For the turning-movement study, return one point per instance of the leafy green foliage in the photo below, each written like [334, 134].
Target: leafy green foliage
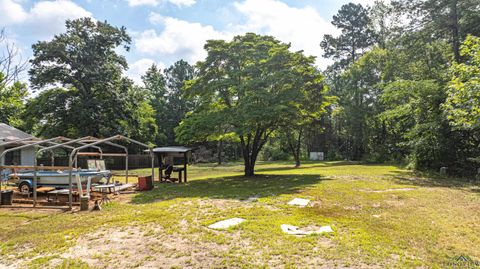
[392, 99]
[450, 20]
[248, 88]
[413, 112]
[177, 105]
[154, 82]
[359, 90]
[354, 22]
[49, 107]
[12, 98]
[166, 96]
[96, 99]
[463, 102]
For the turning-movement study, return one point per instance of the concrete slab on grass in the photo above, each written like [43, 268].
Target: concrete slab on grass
[294, 230]
[224, 224]
[299, 202]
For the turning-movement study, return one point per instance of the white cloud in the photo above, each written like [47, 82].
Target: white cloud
[12, 12]
[155, 18]
[48, 17]
[44, 19]
[138, 69]
[302, 27]
[179, 3]
[369, 2]
[143, 2]
[178, 40]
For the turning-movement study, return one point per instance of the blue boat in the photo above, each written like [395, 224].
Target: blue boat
[58, 179]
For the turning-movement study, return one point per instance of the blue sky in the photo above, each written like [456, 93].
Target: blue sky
[164, 31]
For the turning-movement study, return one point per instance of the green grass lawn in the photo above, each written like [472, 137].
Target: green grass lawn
[382, 216]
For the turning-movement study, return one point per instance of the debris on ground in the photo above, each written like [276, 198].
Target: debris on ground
[224, 224]
[299, 202]
[294, 230]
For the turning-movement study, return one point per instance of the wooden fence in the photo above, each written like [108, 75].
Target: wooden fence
[135, 161]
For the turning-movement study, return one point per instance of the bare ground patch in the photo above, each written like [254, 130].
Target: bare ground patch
[143, 247]
[150, 247]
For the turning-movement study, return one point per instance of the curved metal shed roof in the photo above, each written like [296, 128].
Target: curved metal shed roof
[173, 149]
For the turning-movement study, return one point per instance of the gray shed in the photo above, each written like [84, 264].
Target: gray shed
[19, 157]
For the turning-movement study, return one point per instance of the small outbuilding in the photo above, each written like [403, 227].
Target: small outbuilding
[175, 156]
[19, 157]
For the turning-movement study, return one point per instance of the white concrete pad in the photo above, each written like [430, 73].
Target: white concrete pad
[299, 202]
[294, 230]
[290, 229]
[325, 229]
[224, 224]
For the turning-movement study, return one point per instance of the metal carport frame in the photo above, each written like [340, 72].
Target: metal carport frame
[38, 143]
[106, 141]
[34, 143]
[85, 142]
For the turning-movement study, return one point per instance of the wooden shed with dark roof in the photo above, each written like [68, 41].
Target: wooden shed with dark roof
[183, 153]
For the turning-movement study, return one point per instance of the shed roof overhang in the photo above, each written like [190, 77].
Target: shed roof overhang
[173, 149]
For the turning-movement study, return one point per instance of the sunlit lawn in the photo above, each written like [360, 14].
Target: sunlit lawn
[382, 216]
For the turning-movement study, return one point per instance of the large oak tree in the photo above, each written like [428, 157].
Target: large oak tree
[248, 87]
[95, 98]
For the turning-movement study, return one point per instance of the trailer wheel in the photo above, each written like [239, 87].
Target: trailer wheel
[24, 188]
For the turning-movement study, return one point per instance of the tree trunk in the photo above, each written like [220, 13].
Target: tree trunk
[455, 31]
[251, 146]
[219, 152]
[297, 161]
[294, 143]
[250, 159]
[249, 169]
[299, 145]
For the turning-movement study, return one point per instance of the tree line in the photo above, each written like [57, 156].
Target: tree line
[403, 87]
[407, 88]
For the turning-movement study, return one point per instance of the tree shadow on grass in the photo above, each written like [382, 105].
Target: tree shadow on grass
[316, 165]
[234, 187]
[426, 179]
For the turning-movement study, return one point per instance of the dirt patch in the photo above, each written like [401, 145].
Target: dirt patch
[145, 247]
[4, 266]
[30, 209]
[123, 198]
[150, 246]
